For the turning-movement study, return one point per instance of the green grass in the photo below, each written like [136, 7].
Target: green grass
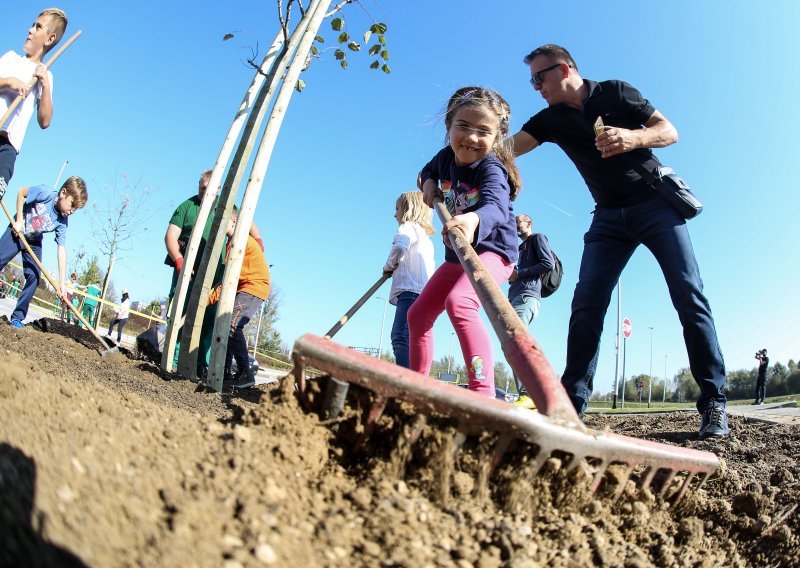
[636, 406]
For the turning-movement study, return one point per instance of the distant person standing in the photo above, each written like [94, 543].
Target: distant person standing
[410, 263]
[90, 302]
[14, 287]
[525, 291]
[761, 381]
[120, 316]
[66, 313]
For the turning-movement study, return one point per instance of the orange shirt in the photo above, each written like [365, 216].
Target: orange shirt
[254, 277]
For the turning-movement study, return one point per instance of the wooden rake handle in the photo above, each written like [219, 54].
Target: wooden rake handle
[50, 279]
[33, 81]
[361, 301]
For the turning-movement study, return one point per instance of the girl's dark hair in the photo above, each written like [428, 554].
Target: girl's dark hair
[479, 97]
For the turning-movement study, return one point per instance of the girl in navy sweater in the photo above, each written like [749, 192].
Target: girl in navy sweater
[477, 179]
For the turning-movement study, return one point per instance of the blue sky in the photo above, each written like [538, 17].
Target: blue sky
[151, 92]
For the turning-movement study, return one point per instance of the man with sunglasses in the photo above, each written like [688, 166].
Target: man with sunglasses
[608, 154]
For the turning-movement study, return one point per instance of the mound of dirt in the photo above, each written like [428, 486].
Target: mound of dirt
[106, 462]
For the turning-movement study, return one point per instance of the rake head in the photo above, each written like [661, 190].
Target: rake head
[671, 468]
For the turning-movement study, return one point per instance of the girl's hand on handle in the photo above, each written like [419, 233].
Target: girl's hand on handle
[467, 222]
[430, 191]
[17, 227]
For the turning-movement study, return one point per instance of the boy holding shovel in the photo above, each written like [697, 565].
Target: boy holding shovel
[40, 210]
[16, 72]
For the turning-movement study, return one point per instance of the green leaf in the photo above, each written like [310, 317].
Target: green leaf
[374, 50]
[385, 69]
[339, 54]
[344, 64]
[337, 24]
[319, 39]
[367, 35]
[314, 50]
[344, 37]
[300, 85]
[226, 37]
[378, 28]
[353, 46]
[382, 40]
[385, 55]
[374, 65]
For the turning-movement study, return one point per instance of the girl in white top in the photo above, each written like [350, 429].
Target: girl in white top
[120, 318]
[411, 264]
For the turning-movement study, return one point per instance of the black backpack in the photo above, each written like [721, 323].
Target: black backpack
[551, 279]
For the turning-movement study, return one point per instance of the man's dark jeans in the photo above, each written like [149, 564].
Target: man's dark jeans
[608, 245]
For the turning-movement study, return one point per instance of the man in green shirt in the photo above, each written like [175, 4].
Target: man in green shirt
[176, 239]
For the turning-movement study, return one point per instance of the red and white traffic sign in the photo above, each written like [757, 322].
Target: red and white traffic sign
[627, 328]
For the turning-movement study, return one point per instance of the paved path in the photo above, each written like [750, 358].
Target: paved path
[773, 412]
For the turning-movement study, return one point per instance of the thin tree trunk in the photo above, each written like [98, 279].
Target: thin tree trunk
[255, 182]
[182, 285]
[106, 280]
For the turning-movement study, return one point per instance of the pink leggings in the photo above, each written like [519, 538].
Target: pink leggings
[450, 289]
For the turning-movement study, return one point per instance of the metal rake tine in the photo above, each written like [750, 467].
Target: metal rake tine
[684, 487]
[458, 441]
[618, 493]
[500, 448]
[598, 476]
[647, 478]
[374, 414]
[703, 479]
[539, 460]
[376, 410]
[417, 426]
[666, 483]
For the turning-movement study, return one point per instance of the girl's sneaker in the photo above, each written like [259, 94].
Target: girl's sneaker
[17, 324]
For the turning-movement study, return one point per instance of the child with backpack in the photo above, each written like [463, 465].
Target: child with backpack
[476, 177]
[411, 264]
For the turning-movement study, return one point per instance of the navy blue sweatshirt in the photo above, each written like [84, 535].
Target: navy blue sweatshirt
[535, 258]
[483, 188]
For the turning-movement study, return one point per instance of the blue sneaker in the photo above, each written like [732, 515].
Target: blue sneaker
[16, 323]
[714, 422]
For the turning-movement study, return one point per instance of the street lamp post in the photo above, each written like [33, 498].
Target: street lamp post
[650, 389]
[258, 328]
[450, 359]
[383, 322]
[260, 315]
[64, 165]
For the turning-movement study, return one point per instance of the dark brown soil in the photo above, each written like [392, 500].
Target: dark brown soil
[105, 462]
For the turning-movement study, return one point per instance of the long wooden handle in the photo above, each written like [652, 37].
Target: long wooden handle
[33, 81]
[332, 331]
[50, 279]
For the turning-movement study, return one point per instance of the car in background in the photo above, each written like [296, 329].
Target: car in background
[253, 365]
[499, 394]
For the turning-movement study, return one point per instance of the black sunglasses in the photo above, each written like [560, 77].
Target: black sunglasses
[537, 79]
